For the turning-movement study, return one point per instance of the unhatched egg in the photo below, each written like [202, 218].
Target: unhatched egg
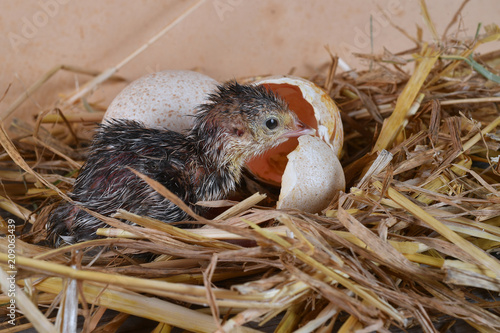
[163, 99]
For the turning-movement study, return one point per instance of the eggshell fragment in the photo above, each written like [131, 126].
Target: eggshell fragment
[163, 99]
[312, 176]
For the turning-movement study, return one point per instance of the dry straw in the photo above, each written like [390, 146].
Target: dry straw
[414, 241]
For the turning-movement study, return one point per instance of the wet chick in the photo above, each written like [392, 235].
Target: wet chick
[238, 123]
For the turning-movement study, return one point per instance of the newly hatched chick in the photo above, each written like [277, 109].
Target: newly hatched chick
[238, 123]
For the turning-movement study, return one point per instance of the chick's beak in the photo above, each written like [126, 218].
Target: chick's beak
[299, 129]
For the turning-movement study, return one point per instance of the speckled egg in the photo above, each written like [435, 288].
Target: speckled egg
[163, 99]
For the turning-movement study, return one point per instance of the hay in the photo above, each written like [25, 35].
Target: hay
[413, 243]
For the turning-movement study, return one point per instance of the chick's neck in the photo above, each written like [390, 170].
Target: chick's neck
[219, 161]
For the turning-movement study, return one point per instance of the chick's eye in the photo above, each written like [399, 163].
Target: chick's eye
[272, 123]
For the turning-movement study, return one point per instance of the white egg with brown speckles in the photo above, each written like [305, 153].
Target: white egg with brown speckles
[165, 99]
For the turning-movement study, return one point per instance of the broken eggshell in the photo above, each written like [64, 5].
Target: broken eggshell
[163, 99]
[307, 169]
[312, 177]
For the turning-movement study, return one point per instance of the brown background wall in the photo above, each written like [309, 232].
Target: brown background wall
[221, 38]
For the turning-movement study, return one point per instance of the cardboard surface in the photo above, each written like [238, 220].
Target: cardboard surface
[222, 38]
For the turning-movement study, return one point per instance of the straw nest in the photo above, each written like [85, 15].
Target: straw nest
[413, 243]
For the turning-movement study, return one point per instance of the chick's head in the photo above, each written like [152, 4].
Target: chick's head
[250, 120]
